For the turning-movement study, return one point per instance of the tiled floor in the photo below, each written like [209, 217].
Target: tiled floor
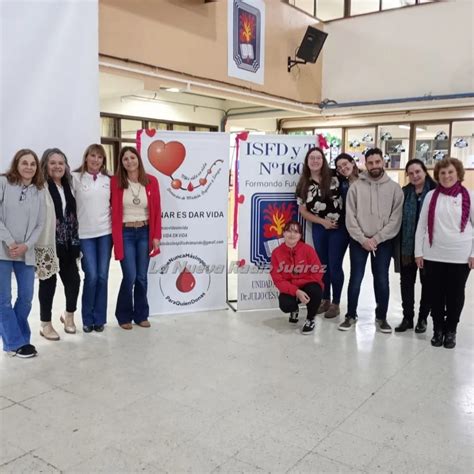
[240, 392]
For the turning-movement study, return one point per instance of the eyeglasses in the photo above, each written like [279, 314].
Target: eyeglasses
[23, 193]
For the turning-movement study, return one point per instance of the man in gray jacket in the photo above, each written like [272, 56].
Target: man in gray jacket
[374, 208]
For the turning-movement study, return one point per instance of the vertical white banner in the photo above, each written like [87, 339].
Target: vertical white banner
[49, 77]
[269, 169]
[246, 40]
[192, 169]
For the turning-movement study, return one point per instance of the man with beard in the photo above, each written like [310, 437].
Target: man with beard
[374, 208]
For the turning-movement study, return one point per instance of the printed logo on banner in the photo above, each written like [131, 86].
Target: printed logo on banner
[269, 214]
[168, 158]
[246, 36]
[186, 278]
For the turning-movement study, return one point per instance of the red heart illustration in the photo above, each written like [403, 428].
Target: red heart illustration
[150, 132]
[241, 199]
[166, 157]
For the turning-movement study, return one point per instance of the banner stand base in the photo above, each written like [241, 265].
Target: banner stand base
[232, 305]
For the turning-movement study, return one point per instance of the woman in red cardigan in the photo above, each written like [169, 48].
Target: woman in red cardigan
[296, 272]
[136, 234]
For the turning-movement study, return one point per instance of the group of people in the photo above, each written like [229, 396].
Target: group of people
[50, 216]
[426, 227]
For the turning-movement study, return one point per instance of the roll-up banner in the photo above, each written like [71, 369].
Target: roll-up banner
[269, 167]
[193, 173]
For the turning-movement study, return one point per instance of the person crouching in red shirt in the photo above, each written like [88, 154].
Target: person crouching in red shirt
[296, 272]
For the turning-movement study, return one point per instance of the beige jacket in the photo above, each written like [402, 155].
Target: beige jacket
[47, 263]
[374, 209]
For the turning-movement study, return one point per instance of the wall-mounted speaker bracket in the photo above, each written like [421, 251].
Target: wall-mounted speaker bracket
[294, 62]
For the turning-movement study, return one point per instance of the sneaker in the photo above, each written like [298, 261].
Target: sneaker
[293, 317]
[421, 326]
[332, 312]
[323, 307]
[26, 351]
[347, 324]
[87, 329]
[308, 327]
[383, 326]
[404, 325]
[99, 327]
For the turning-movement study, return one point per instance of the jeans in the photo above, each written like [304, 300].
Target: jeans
[289, 303]
[407, 286]
[380, 265]
[445, 285]
[69, 274]
[132, 302]
[14, 327]
[95, 265]
[331, 245]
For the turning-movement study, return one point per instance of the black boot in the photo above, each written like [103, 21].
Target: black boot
[404, 325]
[421, 326]
[450, 340]
[437, 339]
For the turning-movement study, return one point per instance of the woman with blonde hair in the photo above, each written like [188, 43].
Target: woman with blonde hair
[21, 222]
[91, 184]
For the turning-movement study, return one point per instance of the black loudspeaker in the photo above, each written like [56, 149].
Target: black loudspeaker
[311, 45]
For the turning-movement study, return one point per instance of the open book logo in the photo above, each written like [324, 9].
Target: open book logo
[246, 36]
[269, 214]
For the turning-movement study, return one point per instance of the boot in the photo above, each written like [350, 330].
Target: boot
[450, 340]
[323, 307]
[437, 339]
[68, 321]
[48, 332]
[421, 326]
[333, 311]
[404, 325]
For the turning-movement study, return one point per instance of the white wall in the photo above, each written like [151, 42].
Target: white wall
[49, 94]
[403, 53]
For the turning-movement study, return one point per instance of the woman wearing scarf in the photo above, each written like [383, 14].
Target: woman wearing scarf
[414, 192]
[56, 171]
[444, 248]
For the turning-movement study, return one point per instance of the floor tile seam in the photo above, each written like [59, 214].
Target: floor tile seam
[25, 453]
[318, 454]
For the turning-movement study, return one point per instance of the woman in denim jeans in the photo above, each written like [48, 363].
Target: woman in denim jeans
[136, 233]
[21, 222]
[92, 187]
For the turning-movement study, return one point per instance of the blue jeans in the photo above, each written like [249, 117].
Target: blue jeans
[14, 327]
[132, 302]
[95, 264]
[380, 267]
[331, 245]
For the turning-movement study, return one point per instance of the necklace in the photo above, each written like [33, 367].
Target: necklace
[136, 200]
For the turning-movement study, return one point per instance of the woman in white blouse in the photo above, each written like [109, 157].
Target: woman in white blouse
[91, 184]
[444, 247]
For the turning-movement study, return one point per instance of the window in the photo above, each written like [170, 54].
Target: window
[431, 142]
[394, 141]
[326, 10]
[358, 141]
[462, 142]
[358, 7]
[128, 128]
[333, 138]
[158, 125]
[329, 9]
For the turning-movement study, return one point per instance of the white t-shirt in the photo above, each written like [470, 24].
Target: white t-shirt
[450, 245]
[93, 204]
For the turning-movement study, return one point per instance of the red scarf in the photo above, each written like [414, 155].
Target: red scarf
[453, 191]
